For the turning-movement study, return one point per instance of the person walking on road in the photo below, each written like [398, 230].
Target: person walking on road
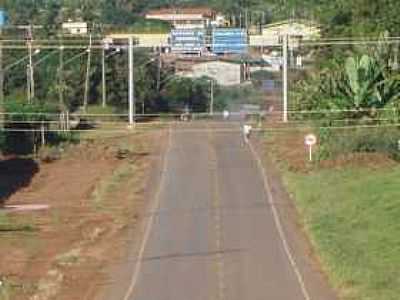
[246, 130]
[226, 115]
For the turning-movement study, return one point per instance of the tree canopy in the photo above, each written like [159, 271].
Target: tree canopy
[339, 17]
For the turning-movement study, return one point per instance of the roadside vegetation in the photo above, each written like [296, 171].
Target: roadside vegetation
[349, 206]
[352, 217]
[26, 127]
[348, 197]
[8, 224]
[352, 99]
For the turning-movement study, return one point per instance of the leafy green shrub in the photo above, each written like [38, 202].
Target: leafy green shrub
[97, 113]
[186, 92]
[334, 143]
[233, 97]
[356, 88]
[22, 123]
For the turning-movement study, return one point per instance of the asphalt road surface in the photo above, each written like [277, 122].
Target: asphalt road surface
[214, 235]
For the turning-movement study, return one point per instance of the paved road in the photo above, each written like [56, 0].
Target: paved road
[214, 236]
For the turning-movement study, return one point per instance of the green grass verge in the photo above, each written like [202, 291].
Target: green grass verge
[353, 219]
[8, 224]
[127, 170]
[110, 184]
[5, 290]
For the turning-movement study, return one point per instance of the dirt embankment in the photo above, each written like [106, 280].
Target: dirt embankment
[94, 194]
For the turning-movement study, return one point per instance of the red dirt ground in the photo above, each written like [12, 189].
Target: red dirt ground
[76, 239]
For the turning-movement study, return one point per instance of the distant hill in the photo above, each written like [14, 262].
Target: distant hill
[340, 17]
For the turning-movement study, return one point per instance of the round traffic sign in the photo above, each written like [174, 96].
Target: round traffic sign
[310, 140]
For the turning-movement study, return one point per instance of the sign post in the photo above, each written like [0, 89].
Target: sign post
[310, 140]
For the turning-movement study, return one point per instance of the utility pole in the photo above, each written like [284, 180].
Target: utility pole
[1, 70]
[159, 70]
[247, 18]
[31, 90]
[132, 108]
[61, 77]
[86, 96]
[103, 77]
[212, 97]
[28, 84]
[285, 78]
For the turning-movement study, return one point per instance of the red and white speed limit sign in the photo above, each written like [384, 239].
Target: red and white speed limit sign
[310, 140]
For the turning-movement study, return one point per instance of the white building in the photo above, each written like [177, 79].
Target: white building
[297, 30]
[144, 40]
[184, 18]
[220, 21]
[226, 74]
[75, 28]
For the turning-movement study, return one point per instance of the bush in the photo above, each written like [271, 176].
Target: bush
[2, 141]
[49, 154]
[22, 124]
[383, 140]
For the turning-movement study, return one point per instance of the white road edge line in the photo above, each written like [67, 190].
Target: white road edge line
[150, 223]
[279, 226]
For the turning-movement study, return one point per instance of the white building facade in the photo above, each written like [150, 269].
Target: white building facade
[184, 18]
[75, 28]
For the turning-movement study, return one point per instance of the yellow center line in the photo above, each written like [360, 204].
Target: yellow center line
[216, 205]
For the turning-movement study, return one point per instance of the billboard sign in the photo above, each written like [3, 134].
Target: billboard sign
[229, 41]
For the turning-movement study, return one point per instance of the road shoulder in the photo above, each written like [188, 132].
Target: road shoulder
[307, 262]
[119, 280]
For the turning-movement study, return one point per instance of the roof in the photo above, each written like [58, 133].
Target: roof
[74, 25]
[205, 11]
[293, 27]
[293, 22]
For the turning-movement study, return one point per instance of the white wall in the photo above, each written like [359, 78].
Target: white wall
[226, 74]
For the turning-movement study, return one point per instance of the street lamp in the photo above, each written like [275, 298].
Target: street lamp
[14, 64]
[44, 58]
[147, 62]
[65, 63]
[117, 50]
[30, 84]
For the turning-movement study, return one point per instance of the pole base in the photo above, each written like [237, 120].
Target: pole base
[131, 127]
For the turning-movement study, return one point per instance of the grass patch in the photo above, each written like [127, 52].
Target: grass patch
[352, 216]
[351, 212]
[8, 224]
[69, 258]
[6, 290]
[110, 184]
[383, 140]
